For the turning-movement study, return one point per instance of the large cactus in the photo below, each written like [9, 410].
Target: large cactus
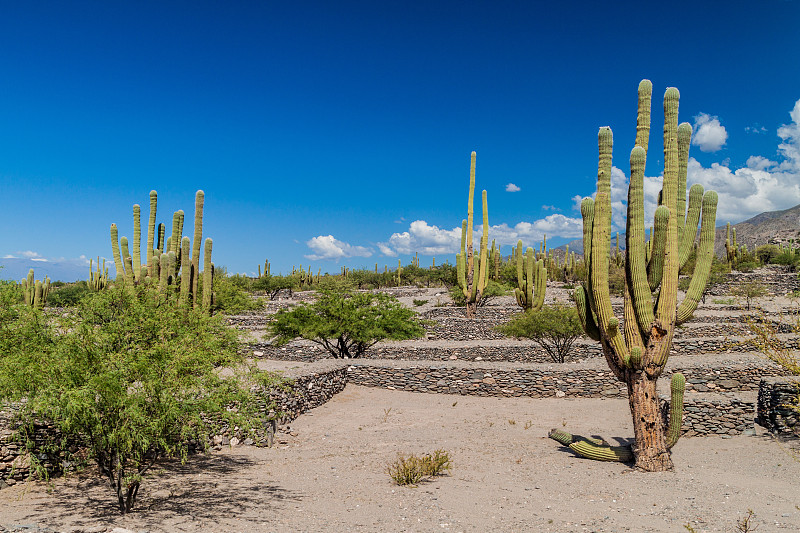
[35, 291]
[166, 260]
[637, 352]
[531, 279]
[473, 273]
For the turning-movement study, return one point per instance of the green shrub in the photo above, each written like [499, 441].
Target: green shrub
[410, 470]
[68, 295]
[129, 374]
[554, 328]
[418, 303]
[346, 323]
[230, 297]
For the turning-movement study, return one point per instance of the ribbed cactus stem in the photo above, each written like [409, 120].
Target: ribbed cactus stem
[208, 276]
[126, 258]
[677, 387]
[136, 254]
[116, 253]
[186, 271]
[199, 200]
[151, 231]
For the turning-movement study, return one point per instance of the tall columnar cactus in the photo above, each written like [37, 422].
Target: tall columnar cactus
[473, 273]
[98, 279]
[166, 260]
[35, 291]
[638, 352]
[531, 279]
[208, 277]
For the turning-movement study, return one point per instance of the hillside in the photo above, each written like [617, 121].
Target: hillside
[772, 226]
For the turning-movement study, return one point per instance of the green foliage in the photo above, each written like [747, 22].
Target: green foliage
[748, 290]
[68, 295]
[230, 296]
[616, 279]
[273, 285]
[131, 375]
[492, 290]
[767, 253]
[410, 470]
[346, 323]
[418, 303]
[554, 328]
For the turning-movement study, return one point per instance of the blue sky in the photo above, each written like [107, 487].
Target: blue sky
[339, 133]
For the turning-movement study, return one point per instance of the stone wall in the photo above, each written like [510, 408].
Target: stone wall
[777, 405]
[543, 381]
[706, 415]
[293, 399]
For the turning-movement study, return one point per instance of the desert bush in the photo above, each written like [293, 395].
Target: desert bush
[230, 294]
[418, 303]
[273, 285]
[766, 253]
[412, 469]
[132, 376]
[68, 295]
[346, 323]
[554, 328]
[748, 290]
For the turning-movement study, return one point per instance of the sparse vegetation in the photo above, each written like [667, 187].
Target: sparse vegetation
[345, 322]
[555, 328]
[411, 469]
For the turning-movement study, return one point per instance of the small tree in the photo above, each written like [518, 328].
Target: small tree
[554, 328]
[346, 323]
[132, 376]
[749, 290]
[273, 285]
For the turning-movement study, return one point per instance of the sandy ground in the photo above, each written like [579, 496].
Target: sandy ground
[327, 473]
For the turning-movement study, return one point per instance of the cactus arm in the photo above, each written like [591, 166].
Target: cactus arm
[585, 314]
[668, 295]
[208, 276]
[199, 199]
[520, 267]
[643, 115]
[692, 218]
[540, 282]
[684, 139]
[677, 387]
[705, 256]
[658, 243]
[635, 264]
[592, 448]
[186, 270]
[115, 251]
[163, 277]
[137, 242]
[151, 231]
[483, 274]
[126, 259]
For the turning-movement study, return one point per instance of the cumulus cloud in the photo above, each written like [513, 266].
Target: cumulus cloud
[423, 238]
[708, 134]
[431, 240]
[762, 185]
[328, 247]
[512, 188]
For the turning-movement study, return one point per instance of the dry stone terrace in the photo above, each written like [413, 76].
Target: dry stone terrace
[728, 385]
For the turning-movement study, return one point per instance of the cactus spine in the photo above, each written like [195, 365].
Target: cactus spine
[473, 273]
[638, 352]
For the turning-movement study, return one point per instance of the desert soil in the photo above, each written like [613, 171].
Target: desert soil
[327, 472]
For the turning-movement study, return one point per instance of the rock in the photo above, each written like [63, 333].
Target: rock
[234, 441]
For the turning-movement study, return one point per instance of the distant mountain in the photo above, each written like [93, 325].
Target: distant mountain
[777, 226]
[68, 270]
[772, 226]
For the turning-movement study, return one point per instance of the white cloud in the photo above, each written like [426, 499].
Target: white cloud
[512, 188]
[550, 208]
[328, 247]
[708, 134]
[755, 128]
[423, 238]
[763, 185]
